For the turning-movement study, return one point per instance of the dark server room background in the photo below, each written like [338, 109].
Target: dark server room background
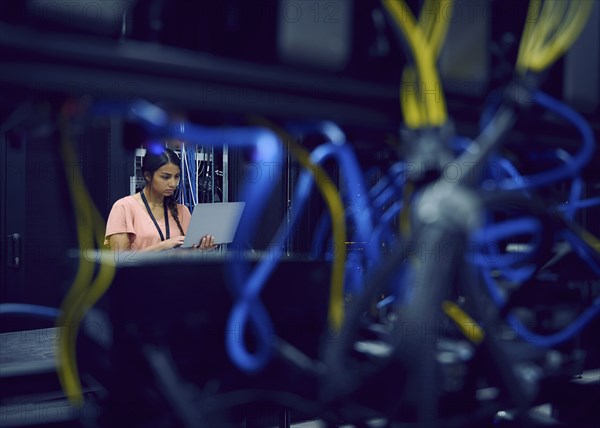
[420, 243]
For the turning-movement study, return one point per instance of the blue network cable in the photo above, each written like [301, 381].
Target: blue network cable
[267, 157]
[387, 195]
[544, 341]
[320, 235]
[508, 271]
[459, 144]
[397, 174]
[395, 178]
[361, 210]
[30, 310]
[261, 273]
[511, 272]
[492, 103]
[193, 160]
[188, 173]
[151, 117]
[383, 231]
[182, 183]
[247, 307]
[381, 185]
[328, 129]
[572, 165]
[568, 169]
[511, 228]
[359, 204]
[256, 280]
[574, 197]
[504, 231]
[358, 197]
[382, 192]
[507, 168]
[582, 250]
[490, 235]
[580, 204]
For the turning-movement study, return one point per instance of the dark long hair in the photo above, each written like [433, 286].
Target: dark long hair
[152, 161]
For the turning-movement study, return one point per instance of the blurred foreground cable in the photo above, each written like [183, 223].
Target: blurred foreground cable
[85, 291]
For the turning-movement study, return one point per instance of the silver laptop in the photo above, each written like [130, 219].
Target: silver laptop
[219, 219]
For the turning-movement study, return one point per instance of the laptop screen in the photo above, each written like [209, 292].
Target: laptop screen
[220, 220]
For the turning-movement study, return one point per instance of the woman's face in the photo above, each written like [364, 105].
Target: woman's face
[165, 180]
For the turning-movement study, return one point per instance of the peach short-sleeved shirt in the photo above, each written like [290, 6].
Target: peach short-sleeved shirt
[129, 216]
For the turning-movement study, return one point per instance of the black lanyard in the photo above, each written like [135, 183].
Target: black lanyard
[162, 238]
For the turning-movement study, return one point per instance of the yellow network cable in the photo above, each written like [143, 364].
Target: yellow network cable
[425, 42]
[415, 114]
[548, 22]
[464, 322]
[437, 34]
[549, 32]
[413, 111]
[565, 36]
[527, 39]
[539, 17]
[336, 210]
[417, 43]
[425, 21]
[592, 241]
[84, 292]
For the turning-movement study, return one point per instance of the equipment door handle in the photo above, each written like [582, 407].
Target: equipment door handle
[14, 250]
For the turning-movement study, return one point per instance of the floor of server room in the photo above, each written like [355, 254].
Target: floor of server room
[27, 363]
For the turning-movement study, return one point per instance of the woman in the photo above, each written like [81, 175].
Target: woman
[137, 222]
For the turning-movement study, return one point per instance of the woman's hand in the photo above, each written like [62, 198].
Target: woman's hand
[176, 241]
[206, 243]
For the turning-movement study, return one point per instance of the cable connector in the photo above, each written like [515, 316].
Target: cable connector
[454, 206]
[427, 152]
[518, 94]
